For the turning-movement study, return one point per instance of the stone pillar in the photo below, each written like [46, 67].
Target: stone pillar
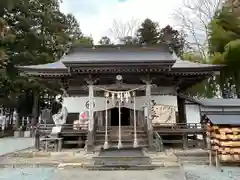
[149, 112]
[90, 138]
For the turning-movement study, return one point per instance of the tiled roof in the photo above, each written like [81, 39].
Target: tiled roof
[113, 55]
[117, 56]
[184, 64]
[224, 119]
[56, 65]
[220, 102]
[187, 64]
[59, 64]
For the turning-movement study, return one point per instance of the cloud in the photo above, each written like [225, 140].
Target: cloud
[96, 16]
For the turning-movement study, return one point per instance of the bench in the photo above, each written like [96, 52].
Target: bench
[57, 143]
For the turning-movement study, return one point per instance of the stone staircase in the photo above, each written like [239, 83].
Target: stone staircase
[121, 159]
[127, 136]
[132, 159]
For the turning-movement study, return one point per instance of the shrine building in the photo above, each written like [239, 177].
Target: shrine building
[128, 94]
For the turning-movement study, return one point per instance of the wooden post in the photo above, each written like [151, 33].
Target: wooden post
[210, 157]
[46, 145]
[59, 144]
[217, 159]
[35, 109]
[56, 145]
[149, 111]
[204, 140]
[37, 139]
[90, 137]
[185, 141]
[181, 110]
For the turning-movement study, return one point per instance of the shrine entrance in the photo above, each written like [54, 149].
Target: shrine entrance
[125, 116]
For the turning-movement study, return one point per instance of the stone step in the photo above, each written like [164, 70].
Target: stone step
[166, 164]
[122, 167]
[122, 135]
[123, 141]
[126, 145]
[118, 160]
[123, 130]
[163, 159]
[194, 160]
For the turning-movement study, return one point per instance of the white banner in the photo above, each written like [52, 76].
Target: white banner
[163, 114]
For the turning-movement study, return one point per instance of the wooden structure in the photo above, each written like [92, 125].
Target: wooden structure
[224, 136]
[184, 134]
[117, 84]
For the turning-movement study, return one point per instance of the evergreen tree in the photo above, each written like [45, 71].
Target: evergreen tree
[32, 32]
[224, 37]
[128, 40]
[174, 38]
[105, 41]
[148, 33]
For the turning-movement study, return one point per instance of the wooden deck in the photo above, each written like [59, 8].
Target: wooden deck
[175, 129]
[70, 129]
[67, 129]
[171, 133]
[185, 135]
[71, 134]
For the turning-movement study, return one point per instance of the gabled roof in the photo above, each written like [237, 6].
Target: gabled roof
[103, 57]
[118, 54]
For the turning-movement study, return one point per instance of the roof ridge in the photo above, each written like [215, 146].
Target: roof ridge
[119, 47]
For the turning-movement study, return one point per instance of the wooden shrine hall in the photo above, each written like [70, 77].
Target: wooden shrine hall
[125, 95]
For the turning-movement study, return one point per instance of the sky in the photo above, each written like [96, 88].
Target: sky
[96, 16]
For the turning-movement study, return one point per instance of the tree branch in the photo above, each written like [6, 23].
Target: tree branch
[194, 17]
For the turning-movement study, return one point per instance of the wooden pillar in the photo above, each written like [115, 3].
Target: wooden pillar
[204, 135]
[185, 141]
[37, 139]
[210, 157]
[90, 137]
[34, 119]
[181, 110]
[217, 159]
[100, 119]
[149, 111]
[131, 118]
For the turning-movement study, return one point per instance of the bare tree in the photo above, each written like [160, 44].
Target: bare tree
[121, 29]
[194, 17]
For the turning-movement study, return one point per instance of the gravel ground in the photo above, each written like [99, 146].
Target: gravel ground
[192, 172]
[78, 174]
[9, 145]
[211, 173]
